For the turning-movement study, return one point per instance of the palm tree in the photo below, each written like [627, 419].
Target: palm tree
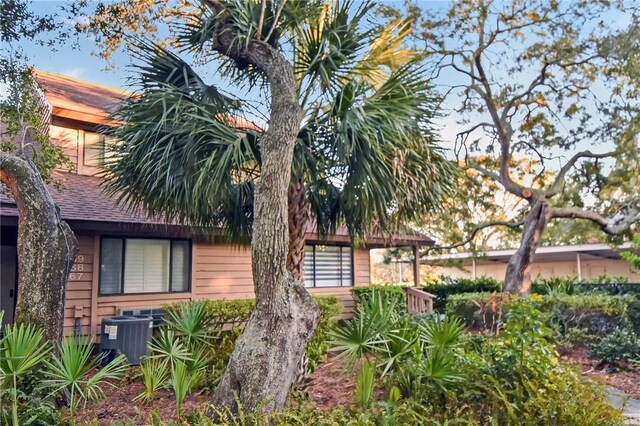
[349, 142]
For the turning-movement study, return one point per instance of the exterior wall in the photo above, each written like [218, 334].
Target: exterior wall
[78, 307]
[217, 272]
[67, 139]
[590, 268]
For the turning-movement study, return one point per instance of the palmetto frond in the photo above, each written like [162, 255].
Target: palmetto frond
[181, 153]
[366, 154]
[376, 159]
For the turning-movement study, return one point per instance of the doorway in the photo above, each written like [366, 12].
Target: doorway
[8, 281]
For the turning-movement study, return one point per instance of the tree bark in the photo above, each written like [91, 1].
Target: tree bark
[264, 362]
[46, 248]
[298, 215]
[518, 276]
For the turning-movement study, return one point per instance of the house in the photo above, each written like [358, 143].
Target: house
[129, 262]
[585, 262]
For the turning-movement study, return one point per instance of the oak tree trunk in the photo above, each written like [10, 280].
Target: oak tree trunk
[518, 276]
[264, 362]
[46, 248]
[298, 215]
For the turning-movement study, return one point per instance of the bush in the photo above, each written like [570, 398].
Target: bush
[594, 313]
[445, 287]
[225, 320]
[220, 314]
[620, 346]
[479, 310]
[395, 294]
[330, 313]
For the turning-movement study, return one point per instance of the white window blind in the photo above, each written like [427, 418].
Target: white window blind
[328, 266]
[146, 266]
[93, 149]
[180, 266]
[111, 266]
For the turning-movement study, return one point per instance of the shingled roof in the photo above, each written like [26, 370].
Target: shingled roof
[79, 99]
[81, 200]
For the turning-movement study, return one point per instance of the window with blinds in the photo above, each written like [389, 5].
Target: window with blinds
[143, 265]
[328, 266]
[94, 149]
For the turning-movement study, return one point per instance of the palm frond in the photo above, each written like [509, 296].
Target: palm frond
[180, 154]
[374, 155]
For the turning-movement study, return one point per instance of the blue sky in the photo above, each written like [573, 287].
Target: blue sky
[82, 63]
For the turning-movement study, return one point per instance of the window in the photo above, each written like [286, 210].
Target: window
[328, 266]
[143, 265]
[94, 149]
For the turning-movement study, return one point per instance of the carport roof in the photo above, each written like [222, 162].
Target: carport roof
[543, 254]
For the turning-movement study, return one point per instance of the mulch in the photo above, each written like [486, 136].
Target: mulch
[119, 406]
[332, 385]
[625, 379]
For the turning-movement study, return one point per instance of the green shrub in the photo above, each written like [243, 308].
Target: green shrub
[222, 322]
[330, 313]
[597, 313]
[516, 377]
[445, 287]
[479, 310]
[394, 293]
[555, 285]
[620, 346]
[218, 313]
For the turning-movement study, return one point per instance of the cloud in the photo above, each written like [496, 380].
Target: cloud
[74, 72]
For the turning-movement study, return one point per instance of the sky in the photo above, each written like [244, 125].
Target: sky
[82, 63]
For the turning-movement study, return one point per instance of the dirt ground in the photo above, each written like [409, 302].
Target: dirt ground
[330, 386]
[118, 406]
[626, 380]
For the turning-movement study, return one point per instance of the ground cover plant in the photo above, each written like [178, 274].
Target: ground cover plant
[513, 376]
[37, 380]
[398, 369]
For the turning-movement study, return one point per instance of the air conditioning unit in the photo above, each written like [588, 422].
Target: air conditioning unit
[126, 334]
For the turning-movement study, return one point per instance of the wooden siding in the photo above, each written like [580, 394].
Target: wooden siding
[217, 272]
[590, 269]
[79, 286]
[68, 140]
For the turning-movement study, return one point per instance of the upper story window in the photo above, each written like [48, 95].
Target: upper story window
[144, 265]
[328, 266]
[94, 149]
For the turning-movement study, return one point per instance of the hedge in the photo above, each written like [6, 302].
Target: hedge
[395, 293]
[595, 313]
[235, 313]
[445, 287]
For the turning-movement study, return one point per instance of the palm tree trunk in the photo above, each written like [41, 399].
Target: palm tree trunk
[46, 248]
[298, 215]
[264, 362]
[518, 276]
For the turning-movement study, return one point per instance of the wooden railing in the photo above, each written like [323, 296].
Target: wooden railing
[419, 301]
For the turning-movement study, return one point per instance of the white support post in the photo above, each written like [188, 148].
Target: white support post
[416, 266]
[578, 266]
[474, 273]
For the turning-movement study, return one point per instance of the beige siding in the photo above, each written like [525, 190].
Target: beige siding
[79, 286]
[591, 269]
[218, 272]
[67, 139]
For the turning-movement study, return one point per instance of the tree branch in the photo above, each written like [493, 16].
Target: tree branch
[612, 226]
[556, 187]
[475, 231]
